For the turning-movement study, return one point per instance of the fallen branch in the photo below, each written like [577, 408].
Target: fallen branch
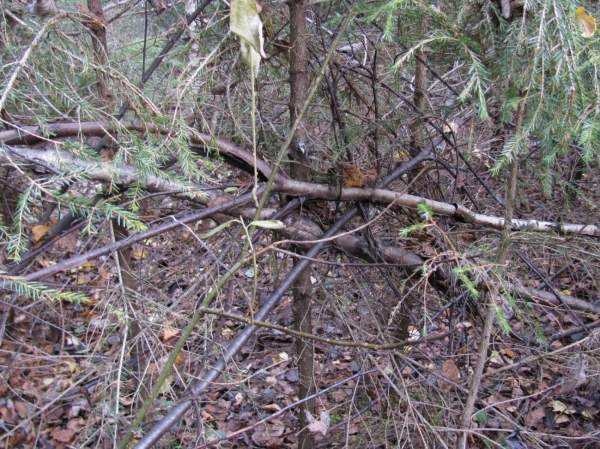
[30, 135]
[124, 174]
[550, 298]
[459, 212]
[297, 229]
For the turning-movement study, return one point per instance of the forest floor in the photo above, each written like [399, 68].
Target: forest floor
[75, 374]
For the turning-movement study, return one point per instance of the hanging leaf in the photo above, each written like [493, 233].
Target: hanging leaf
[250, 57]
[587, 22]
[245, 22]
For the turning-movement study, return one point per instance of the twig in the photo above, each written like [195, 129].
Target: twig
[551, 287]
[534, 358]
[334, 342]
[477, 374]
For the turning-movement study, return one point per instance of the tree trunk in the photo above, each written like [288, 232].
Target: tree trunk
[300, 170]
[100, 52]
[420, 87]
[100, 46]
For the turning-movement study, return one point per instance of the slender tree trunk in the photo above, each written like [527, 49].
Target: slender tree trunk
[100, 52]
[100, 46]
[300, 170]
[420, 87]
[299, 87]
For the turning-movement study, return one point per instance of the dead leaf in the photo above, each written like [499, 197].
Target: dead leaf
[206, 417]
[562, 419]
[21, 409]
[369, 176]
[170, 332]
[218, 200]
[83, 279]
[8, 415]
[159, 6]
[352, 176]
[352, 430]
[39, 231]
[450, 127]
[126, 401]
[239, 397]
[68, 242]
[62, 435]
[271, 407]
[277, 428]
[139, 254]
[260, 436]
[179, 360]
[562, 408]
[91, 20]
[320, 425]
[451, 372]
[586, 22]
[535, 417]
[402, 154]
[515, 441]
[17, 440]
[271, 380]
[321, 209]
[586, 414]
[76, 424]
[508, 353]
[166, 386]
[577, 375]
[428, 249]
[222, 88]
[245, 22]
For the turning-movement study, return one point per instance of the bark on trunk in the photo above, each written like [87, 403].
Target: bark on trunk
[420, 87]
[100, 52]
[300, 170]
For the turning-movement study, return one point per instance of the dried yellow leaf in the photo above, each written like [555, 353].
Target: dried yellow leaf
[139, 254]
[39, 231]
[170, 332]
[587, 23]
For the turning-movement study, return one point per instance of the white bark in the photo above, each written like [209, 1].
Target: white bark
[123, 174]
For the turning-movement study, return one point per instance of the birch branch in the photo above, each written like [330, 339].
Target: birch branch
[123, 174]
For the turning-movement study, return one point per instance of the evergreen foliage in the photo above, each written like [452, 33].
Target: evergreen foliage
[518, 92]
